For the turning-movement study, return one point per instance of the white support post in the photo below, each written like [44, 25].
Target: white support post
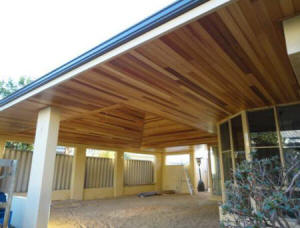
[78, 173]
[38, 201]
[158, 171]
[119, 174]
[192, 167]
[163, 169]
[210, 180]
[2, 146]
[221, 164]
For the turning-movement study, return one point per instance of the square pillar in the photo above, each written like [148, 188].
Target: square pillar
[158, 171]
[38, 201]
[2, 146]
[78, 173]
[119, 174]
[221, 164]
[163, 166]
[210, 180]
[192, 167]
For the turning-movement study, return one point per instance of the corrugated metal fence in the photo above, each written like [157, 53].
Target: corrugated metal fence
[138, 172]
[62, 173]
[99, 172]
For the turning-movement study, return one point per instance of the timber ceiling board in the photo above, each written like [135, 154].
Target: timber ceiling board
[160, 133]
[198, 74]
[126, 127]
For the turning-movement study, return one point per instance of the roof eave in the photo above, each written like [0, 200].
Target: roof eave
[151, 23]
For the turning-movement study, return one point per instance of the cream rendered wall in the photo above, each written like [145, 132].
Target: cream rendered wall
[97, 193]
[292, 37]
[78, 173]
[133, 190]
[60, 195]
[56, 195]
[174, 179]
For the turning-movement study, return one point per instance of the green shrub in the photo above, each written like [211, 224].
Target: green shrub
[262, 193]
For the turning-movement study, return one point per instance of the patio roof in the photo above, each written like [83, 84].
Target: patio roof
[170, 89]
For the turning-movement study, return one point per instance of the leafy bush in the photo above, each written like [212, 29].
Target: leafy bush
[264, 194]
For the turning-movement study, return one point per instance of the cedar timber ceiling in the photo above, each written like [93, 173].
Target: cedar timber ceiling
[173, 90]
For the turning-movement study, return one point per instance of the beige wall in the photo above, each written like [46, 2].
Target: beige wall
[56, 195]
[174, 179]
[97, 193]
[133, 190]
[61, 195]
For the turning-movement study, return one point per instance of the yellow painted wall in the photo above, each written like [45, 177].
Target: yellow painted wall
[174, 179]
[56, 195]
[133, 190]
[97, 193]
[61, 195]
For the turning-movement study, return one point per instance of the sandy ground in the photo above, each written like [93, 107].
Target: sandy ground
[130, 212]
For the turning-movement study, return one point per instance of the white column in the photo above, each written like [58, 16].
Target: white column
[119, 174]
[163, 169]
[210, 180]
[192, 168]
[2, 146]
[41, 175]
[158, 171]
[78, 173]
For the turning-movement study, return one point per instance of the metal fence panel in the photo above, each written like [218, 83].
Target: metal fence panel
[137, 172]
[62, 171]
[99, 172]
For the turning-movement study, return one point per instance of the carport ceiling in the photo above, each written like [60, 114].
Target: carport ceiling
[173, 89]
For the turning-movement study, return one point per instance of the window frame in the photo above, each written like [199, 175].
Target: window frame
[247, 142]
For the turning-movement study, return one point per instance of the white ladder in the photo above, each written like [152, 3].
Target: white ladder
[188, 181]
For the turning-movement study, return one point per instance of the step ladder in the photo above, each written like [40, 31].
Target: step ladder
[188, 181]
[184, 179]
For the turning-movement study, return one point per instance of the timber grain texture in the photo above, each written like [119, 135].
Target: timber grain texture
[174, 89]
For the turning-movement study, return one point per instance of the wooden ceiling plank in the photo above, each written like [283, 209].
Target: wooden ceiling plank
[287, 7]
[247, 46]
[274, 49]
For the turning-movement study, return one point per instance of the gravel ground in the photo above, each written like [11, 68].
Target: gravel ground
[165, 211]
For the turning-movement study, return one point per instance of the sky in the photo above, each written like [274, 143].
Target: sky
[38, 36]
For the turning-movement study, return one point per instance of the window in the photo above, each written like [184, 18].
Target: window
[263, 134]
[182, 159]
[238, 139]
[215, 169]
[262, 153]
[225, 138]
[226, 150]
[289, 124]
[262, 128]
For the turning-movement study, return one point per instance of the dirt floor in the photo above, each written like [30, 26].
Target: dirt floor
[130, 212]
